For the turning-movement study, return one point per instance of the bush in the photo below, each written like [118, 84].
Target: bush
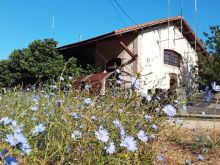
[39, 63]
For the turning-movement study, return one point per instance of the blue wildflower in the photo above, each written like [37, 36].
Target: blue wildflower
[178, 121]
[135, 83]
[169, 110]
[36, 99]
[157, 110]
[102, 134]
[5, 121]
[16, 128]
[10, 160]
[76, 135]
[200, 158]
[208, 94]
[153, 136]
[146, 96]
[61, 78]
[118, 125]
[215, 87]
[117, 71]
[18, 139]
[87, 101]
[184, 107]
[53, 87]
[3, 153]
[59, 102]
[52, 94]
[154, 126]
[70, 77]
[87, 87]
[34, 108]
[188, 162]
[147, 117]
[110, 149]
[118, 82]
[142, 136]
[129, 143]
[93, 117]
[38, 129]
[159, 157]
[76, 115]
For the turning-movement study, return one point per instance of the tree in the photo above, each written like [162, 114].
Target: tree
[5, 74]
[210, 64]
[39, 63]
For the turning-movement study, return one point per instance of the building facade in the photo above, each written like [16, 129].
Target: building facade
[161, 52]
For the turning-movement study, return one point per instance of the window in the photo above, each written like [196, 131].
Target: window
[172, 58]
[112, 64]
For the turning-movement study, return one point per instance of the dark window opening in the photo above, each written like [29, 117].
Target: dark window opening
[172, 58]
[112, 64]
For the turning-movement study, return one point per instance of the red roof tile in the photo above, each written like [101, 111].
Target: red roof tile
[190, 34]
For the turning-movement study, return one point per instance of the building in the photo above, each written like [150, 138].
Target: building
[160, 51]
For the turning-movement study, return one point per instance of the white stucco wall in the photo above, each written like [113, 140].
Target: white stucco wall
[151, 45]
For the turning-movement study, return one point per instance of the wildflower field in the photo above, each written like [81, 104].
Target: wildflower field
[47, 125]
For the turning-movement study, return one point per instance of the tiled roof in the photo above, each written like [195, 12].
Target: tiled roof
[190, 35]
[147, 24]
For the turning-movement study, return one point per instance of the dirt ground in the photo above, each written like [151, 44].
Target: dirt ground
[181, 143]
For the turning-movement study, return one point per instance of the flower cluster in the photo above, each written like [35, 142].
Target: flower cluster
[17, 139]
[119, 127]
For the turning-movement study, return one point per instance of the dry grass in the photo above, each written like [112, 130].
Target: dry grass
[178, 145]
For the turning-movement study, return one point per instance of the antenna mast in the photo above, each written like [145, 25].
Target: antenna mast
[168, 23]
[181, 13]
[53, 27]
[195, 22]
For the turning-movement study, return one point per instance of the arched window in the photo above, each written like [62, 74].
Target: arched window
[172, 58]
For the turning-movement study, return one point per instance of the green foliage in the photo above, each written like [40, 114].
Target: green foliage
[210, 64]
[40, 62]
[203, 141]
[5, 74]
[174, 137]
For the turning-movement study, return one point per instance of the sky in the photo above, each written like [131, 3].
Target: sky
[22, 21]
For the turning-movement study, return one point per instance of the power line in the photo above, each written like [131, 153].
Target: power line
[125, 12]
[118, 14]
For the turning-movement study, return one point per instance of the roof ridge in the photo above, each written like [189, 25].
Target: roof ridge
[148, 23]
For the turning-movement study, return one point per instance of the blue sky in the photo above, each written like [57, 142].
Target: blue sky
[22, 21]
